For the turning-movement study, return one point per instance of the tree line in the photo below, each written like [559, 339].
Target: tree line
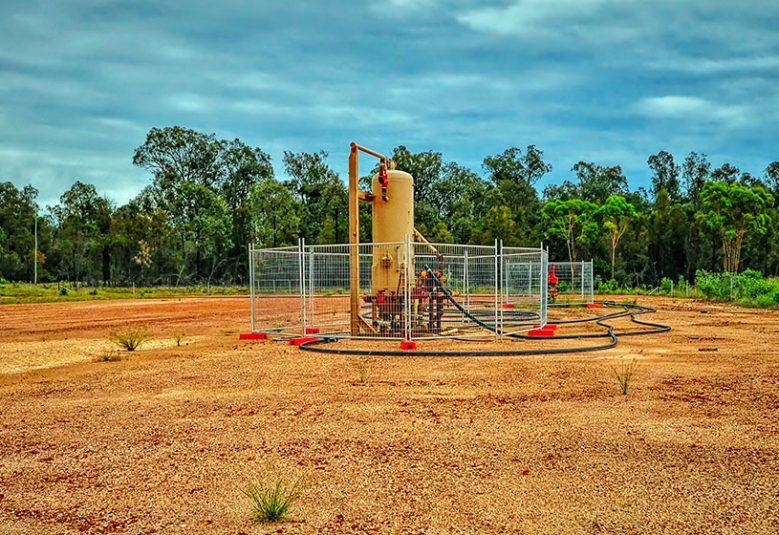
[209, 198]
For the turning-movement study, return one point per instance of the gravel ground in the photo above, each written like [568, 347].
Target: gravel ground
[161, 441]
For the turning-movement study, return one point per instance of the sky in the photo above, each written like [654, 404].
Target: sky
[82, 82]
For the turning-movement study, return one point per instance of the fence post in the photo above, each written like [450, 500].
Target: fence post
[466, 290]
[497, 293]
[544, 275]
[311, 288]
[503, 281]
[407, 246]
[581, 274]
[302, 282]
[251, 286]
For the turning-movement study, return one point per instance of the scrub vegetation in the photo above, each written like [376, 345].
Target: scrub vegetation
[208, 198]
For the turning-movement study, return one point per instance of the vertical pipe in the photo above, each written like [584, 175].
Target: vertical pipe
[582, 276]
[354, 240]
[251, 287]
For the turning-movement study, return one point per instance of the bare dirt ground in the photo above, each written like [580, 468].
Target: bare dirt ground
[161, 441]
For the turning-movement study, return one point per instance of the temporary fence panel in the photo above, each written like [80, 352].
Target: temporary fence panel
[454, 291]
[382, 287]
[575, 282]
[524, 275]
[275, 277]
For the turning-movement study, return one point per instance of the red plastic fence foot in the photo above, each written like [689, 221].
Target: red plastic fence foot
[592, 305]
[408, 345]
[550, 326]
[253, 336]
[536, 333]
[302, 340]
[312, 330]
[508, 305]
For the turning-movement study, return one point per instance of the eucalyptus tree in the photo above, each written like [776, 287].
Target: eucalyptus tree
[734, 210]
[615, 216]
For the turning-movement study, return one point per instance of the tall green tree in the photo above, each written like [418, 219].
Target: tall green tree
[275, 214]
[84, 222]
[18, 209]
[497, 225]
[616, 214]
[203, 222]
[572, 220]
[180, 158]
[596, 183]
[514, 175]
[735, 210]
[771, 176]
[665, 175]
[321, 193]
[696, 170]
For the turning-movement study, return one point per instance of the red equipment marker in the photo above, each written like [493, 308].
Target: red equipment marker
[253, 336]
[302, 340]
[408, 345]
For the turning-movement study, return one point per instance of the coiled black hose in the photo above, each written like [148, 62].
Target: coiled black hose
[630, 310]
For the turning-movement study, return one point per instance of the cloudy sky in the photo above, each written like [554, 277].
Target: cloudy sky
[81, 82]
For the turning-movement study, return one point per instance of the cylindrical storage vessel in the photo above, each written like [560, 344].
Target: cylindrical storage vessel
[393, 220]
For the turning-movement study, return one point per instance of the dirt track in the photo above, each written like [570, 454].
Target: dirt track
[161, 441]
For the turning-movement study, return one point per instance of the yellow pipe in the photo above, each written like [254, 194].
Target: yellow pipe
[354, 231]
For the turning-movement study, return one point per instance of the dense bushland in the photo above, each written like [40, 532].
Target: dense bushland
[209, 198]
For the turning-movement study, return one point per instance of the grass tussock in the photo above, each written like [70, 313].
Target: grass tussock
[624, 375]
[271, 501]
[130, 339]
[363, 371]
[110, 355]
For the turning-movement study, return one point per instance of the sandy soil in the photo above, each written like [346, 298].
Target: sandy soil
[161, 441]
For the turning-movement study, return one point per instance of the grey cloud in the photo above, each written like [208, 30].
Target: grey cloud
[82, 82]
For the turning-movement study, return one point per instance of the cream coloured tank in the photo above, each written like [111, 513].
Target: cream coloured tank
[393, 219]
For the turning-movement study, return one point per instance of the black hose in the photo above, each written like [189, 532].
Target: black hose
[630, 310]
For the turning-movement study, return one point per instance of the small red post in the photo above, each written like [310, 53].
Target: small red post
[408, 345]
[253, 336]
[540, 333]
[302, 340]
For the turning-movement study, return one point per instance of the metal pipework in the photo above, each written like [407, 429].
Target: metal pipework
[354, 231]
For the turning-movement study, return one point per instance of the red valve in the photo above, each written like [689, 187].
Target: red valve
[553, 278]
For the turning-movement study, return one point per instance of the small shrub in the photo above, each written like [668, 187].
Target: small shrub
[271, 502]
[624, 375]
[362, 372]
[666, 285]
[130, 339]
[109, 356]
[63, 291]
[178, 337]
